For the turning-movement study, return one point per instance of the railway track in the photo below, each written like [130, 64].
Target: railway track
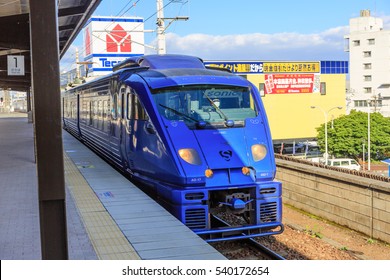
[246, 249]
[272, 254]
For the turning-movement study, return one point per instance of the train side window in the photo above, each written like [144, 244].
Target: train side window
[100, 109]
[90, 113]
[95, 114]
[106, 111]
[100, 114]
[73, 110]
[68, 109]
[119, 107]
[114, 106]
[122, 114]
[130, 109]
[84, 112]
[139, 111]
[66, 113]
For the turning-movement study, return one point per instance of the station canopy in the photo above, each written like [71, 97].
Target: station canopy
[15, 34]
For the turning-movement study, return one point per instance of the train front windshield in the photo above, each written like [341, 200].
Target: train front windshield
[209, 104]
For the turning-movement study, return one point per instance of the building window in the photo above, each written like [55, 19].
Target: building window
[360, 103]
[356, 43]
[371, 41]
[323, 88]
[261, 89]
[367, 90]
[367, 78]
[367, 66]
[367, 54]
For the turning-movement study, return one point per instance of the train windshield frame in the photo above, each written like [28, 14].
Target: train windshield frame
[209, 104]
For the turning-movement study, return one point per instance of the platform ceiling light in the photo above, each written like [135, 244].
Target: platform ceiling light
[190, 155]
[258, 152]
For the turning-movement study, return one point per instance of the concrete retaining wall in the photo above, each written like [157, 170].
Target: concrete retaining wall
[361, 204]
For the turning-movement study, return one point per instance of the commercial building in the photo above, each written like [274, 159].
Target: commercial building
[368, 45]
[289, 90]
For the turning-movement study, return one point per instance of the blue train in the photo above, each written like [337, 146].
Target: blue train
[196, 138]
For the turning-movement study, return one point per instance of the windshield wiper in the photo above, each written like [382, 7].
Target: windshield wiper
[179, 113]
[228, 123]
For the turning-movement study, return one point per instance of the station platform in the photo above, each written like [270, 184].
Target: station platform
[108, 217]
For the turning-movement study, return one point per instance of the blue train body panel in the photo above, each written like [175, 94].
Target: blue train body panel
[198, 139]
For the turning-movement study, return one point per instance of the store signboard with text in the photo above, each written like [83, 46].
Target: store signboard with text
[110, 40]
[291, 83]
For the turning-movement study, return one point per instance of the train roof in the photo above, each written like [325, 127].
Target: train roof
[185, 76]
[161, 71]
[166, 61]
[171, 70]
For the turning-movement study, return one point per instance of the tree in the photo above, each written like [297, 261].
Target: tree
[348, 133]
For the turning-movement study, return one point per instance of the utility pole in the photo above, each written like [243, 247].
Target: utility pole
[161, 45]
[161, 48]
[77, 64]
[369, 136]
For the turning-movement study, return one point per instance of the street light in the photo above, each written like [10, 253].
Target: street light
[369, 136]
[326, 127]
[369, 101]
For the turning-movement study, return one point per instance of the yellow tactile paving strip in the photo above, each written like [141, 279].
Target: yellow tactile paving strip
[107, 239]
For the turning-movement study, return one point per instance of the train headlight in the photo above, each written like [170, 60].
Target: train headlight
[190, 155]
[258, 152]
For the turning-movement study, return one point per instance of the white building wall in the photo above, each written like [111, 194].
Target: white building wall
[369, 58]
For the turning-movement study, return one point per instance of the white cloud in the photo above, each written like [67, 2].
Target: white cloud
[327, 45]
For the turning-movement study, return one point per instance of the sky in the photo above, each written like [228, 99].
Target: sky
[246, 29]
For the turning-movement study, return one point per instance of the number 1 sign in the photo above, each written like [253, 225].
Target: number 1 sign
[15, 65]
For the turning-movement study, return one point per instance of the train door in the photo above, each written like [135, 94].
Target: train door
[141, 138]
[78, 115]
[126, 126]
[116, 126]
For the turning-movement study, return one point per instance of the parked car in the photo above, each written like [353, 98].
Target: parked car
[289, 148]
[313, 151]
[347, 163]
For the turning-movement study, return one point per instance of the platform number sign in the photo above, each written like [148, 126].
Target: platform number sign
[15, 65]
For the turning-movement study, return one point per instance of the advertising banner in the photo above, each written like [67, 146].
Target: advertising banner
[237, 67]
[291, 67]
[258, 67]
[291, 83]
